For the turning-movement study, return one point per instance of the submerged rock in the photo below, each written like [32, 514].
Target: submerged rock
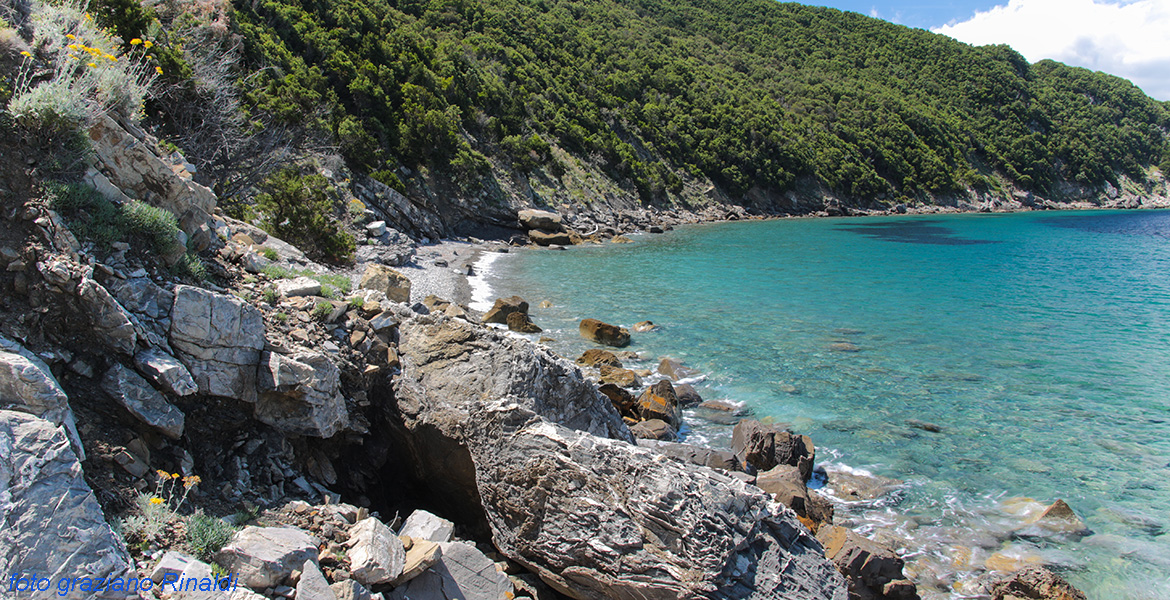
[604, 333]
[598, 518]
[1034, 583]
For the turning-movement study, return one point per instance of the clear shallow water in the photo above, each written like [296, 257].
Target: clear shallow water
[1038, 342]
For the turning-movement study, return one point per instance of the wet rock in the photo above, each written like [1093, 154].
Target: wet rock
[520, 322]
[539, 219]
[376, 555]
[219, 339]
[660, 402]
[674, 370]
[644, 326]
[924, 426]
[866, 565]
[312, 584]
[622, 400]
[422, 525]
[27, 385]
[1034, 583]
[604, 333]
[859, 485]
[654, 429]
[52, 521]
[844, 347]
[165, 371]
[264, 557]
[299, 286]
[1060, 518]
[300, 393]
[143, 401]
[504, 307]
[619, 376]
[687, 396]
[598, 518]
[786, 485]
[381, 278]
[765, 446]
[462, 573]
[695, 455]
[596, 357]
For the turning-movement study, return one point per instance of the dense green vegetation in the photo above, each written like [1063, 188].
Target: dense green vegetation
[748, 93]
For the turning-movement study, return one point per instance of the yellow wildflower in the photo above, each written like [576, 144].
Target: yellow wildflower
[91, 64]
[158, 70]
[72, 46]
[192, 481]
[163, 474]
[135, 42]
[156, 500]
[71, 36]
[175, 476]
[112, 58]
[26, 54]
[147, 44]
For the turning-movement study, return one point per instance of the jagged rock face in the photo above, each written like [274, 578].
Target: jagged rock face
[448, 364]
[50, 522]
[219, 339]
[766, 446]
[599, 518]
[300, 394]
[27, 385]
[143, 401]
[873, 571]
[165, 371]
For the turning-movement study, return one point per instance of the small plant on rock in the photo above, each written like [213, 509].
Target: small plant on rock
[206, 535]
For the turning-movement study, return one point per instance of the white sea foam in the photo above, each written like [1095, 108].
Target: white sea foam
[481, 290]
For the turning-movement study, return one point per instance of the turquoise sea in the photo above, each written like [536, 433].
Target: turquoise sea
[1039, 344]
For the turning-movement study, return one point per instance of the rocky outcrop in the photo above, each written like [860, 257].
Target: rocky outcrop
[786, 484]
[27, 385]
[108, 318]
[375, 554]
[543, 238]
[449, 364]
[422, 525]
[504, 307]
[50, 523]
[695, 455]
[599, 518]
[1034, 583]
[873, 571]
[765, 446]
[596, 357]
[264, 557]
[165, 371]
[660, 402]
[143, 401]
[674, 370]
[219, 339]
[391, 283]
[522, 323]
[300, 394]
[544, 220]
[654, 430]
[604, 333]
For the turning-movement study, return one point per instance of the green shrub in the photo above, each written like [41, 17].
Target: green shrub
[322, 310]
[270, 254]
[271, 296]
[92, 217]
[206, 535]
[191, 266]
[389, 179]
[299, 210]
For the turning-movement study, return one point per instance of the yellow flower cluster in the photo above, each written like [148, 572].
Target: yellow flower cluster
[156, 500]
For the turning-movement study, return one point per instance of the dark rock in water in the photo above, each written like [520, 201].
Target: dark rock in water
[660, 402]
[695, 455]
[847, 331]
[654, 229]
[853, 486]
[619, 376]
[597, 518]
[923, 425]
[596, 357]
[503, 307]
[604, 333]
[687, 396]
[765, 446]
[654, 429]
[520, 322]
[1034, 583]
[786, 484]
[622, 400]
[673, 369]
[869, 567]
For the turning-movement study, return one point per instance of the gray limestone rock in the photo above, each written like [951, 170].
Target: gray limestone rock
[696, 455]
[265, 556]
[600, 518]
[376, 555]
[219, 339]
[301, 394]
[463, 573]
[312, 584]
[394, 256]
[165, 371]
[350, 590]
[27, 385]
[143, 401]
[52, 524]
[426, 526]
[298, 286]
[109, 319]
[539, 219]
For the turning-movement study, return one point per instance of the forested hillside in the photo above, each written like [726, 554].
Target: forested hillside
[656, 93]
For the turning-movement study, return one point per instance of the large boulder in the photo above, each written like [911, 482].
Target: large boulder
[765, 446]
[604, 333]
[522, 323]
[873, 571]
[660, 402]
[1034, 583]
[596, 357]
[422, 525]
[787, 486]
[53, 525]
[27, 385]
[264, 557]
[600, 518]
[376, 555]
[539, 219]
[462, 573]
[300, 393]
[541, 238]
[503, 307]
[383, 279]
[447, 365]
[137, 396]
[219, 338]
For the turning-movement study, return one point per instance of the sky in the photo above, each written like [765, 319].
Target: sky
[1127, 38]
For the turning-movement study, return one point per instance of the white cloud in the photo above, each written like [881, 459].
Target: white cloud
[1125, 38]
